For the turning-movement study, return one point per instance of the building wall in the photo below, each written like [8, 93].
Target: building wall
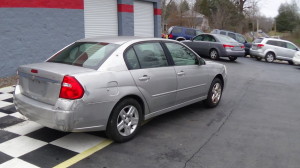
[31, 31]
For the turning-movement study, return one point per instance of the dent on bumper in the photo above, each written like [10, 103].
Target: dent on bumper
[60, 116]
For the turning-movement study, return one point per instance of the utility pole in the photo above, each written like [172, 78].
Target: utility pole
[275, 27]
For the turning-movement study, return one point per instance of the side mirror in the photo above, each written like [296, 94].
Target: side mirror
[200, 61]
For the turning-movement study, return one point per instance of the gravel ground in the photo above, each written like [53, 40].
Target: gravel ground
[8, 81]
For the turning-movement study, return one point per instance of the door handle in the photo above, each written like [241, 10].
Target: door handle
[181, 73]
[144, 78]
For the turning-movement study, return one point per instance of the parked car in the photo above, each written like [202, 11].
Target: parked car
[114, 83]
[182, 33]
[271, 49]
[215, 46]
[236, 36]
[296, 58]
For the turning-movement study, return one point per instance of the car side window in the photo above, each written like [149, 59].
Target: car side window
[181, 55]
[211, 39]
[177, 30]
[291, 46]
[150, 55]
[241, 39]
[199, 38]
[222, 32]
[232, 35]
[190, 32]
[131, 59]
[282, 44]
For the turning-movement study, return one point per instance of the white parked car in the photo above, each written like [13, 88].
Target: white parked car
[296, 58]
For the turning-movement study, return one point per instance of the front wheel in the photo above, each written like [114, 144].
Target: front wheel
[291, 62]
[213, 54]
[214, 93]
[231, 58]
[124, 121]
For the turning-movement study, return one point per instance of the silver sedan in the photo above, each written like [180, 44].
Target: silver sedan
[215, 46]
[114, 83]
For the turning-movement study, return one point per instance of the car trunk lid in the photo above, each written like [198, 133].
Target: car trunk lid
[42, 81]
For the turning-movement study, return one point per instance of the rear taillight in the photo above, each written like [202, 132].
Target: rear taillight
[34, 71]
[260, 45]
[71, 88]
[242, 46]
[170, 36]
[228, 46]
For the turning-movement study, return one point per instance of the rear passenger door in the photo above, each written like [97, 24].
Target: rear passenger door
[191, 77]
[152, 74]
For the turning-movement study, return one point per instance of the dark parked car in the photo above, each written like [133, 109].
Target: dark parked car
[182, 33]
[215, 46]
[236, 36]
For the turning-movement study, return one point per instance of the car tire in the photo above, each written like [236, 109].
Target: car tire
[291, 62]
[231, 58]
[125, 120]
[214, 94]
[270, 57]
[213, 54]
[258, 58]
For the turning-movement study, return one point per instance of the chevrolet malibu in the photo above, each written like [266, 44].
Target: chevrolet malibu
[114, 83]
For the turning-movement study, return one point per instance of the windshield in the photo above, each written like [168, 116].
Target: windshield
[225, 39]
[85, 54]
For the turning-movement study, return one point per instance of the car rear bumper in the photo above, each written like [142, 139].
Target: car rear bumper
[256, 53]
[228, 53]
[65, 115]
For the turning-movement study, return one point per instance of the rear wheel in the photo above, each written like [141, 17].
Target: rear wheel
[214, 93]
[231, 58]
[270, 57]
[124, 121]
[213, 54]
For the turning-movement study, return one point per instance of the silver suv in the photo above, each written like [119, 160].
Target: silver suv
[271, 49]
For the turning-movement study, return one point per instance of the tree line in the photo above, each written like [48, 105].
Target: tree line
[235, 15]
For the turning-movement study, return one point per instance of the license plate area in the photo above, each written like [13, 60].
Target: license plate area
[37, 87]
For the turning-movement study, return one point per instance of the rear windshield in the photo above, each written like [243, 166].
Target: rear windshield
[85, 54]
[259, 40]
[226, 39]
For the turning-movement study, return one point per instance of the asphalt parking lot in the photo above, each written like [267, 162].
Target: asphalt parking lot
[256, 125]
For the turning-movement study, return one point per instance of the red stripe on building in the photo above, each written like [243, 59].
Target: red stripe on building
[157, 11]
[65, 4]
[125, 8]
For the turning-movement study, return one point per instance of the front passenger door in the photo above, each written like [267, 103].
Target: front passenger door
[152, 74]
[191, 77]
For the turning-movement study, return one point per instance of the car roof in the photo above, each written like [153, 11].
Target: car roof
[186, 27]
[117, 39]
[270, 38]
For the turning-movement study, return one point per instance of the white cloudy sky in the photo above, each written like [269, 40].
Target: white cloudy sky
[269, 8]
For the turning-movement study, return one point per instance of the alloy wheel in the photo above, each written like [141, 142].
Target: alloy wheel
[214, 54]
[127, 120]
[217, 91]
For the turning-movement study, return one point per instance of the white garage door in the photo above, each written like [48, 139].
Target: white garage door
[143, 19]
[100, 17]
